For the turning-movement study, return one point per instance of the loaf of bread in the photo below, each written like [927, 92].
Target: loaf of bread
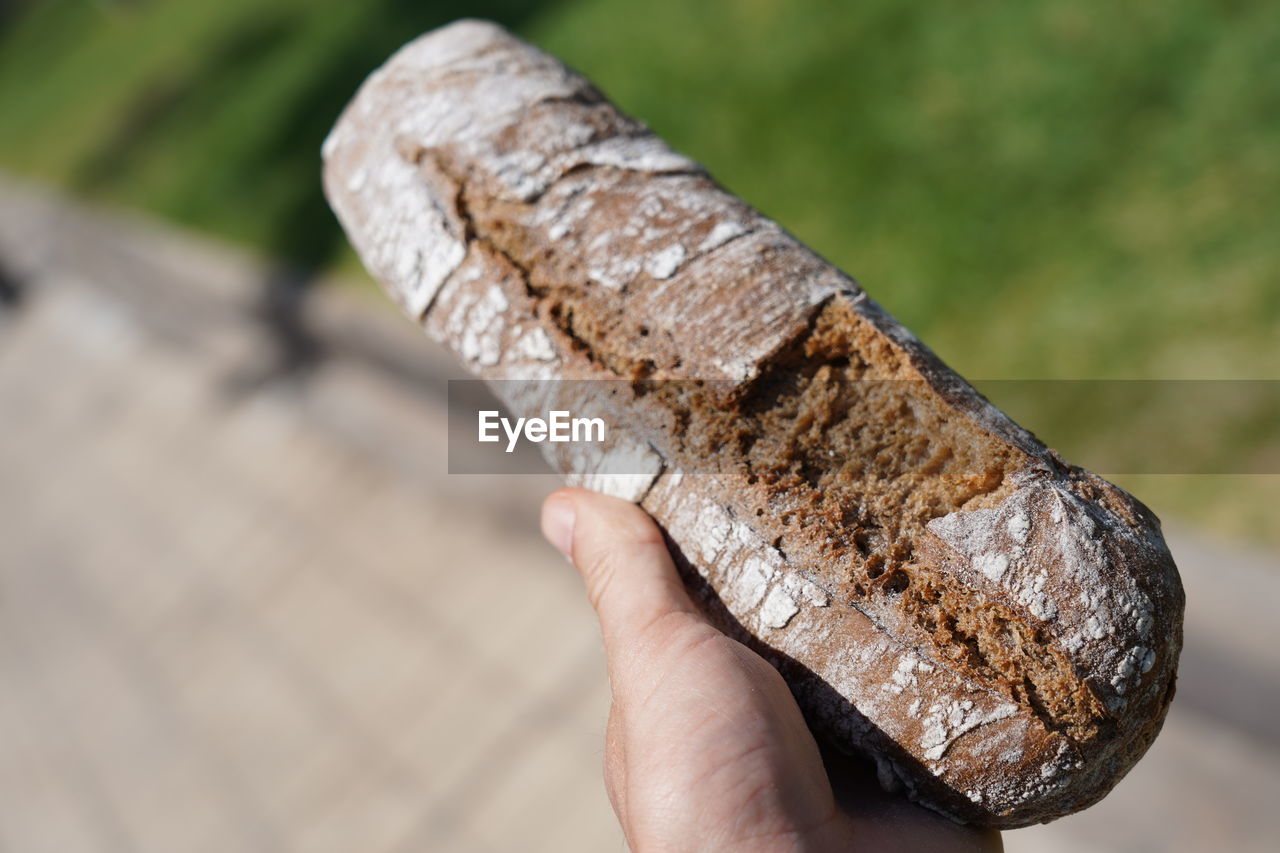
[998, 629]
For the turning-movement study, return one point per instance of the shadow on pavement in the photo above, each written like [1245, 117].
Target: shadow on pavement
[279, 164]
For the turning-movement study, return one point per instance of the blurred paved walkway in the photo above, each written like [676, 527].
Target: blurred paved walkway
[239, 612]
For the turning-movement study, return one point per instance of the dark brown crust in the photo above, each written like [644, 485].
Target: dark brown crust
[998, 628]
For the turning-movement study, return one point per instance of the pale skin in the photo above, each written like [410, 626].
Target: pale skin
[705, 749]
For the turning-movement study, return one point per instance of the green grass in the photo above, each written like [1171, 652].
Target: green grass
[1052, 189]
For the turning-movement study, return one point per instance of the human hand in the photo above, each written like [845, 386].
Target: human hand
[705, 747]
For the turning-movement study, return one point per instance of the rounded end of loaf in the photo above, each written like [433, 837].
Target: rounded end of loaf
[1095, 696]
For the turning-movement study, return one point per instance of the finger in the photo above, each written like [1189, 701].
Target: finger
[620, 553]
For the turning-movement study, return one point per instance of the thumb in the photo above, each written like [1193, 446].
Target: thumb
[622, 557]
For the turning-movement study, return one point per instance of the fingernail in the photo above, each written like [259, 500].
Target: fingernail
[557, 525]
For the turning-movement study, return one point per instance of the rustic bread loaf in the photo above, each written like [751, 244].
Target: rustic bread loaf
[997, 628]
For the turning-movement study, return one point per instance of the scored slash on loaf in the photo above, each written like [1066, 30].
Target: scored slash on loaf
[998, 629]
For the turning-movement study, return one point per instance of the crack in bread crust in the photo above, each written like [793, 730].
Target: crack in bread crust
[840, 390]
